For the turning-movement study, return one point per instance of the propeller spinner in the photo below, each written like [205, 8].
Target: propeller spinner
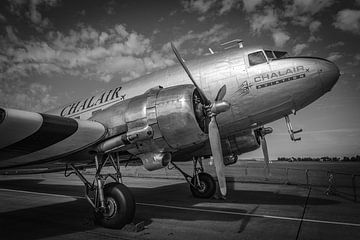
[213, 108]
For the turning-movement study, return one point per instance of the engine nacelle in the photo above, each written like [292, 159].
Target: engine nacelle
[232, 146]
[242, 143]
[162, 120]
[154, 161]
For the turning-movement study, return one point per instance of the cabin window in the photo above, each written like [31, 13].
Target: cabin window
[256, 58]
[269, 54]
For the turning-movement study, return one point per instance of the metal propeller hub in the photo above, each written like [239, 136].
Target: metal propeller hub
[219, 107]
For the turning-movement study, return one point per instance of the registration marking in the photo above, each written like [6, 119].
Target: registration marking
[278, 81]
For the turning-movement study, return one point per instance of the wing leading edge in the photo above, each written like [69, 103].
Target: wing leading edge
[29, 138]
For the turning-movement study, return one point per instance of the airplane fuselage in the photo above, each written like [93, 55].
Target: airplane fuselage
[258, 94]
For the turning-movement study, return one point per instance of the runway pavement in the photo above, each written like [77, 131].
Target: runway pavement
[50, 206]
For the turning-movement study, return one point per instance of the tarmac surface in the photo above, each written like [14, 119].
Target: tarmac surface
[50, 206]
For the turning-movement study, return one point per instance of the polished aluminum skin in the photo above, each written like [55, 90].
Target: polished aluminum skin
[162, 120]
[163, 104]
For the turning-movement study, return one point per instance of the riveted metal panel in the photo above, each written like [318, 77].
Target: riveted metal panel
[151, 115]
[151, 96]
[176, 118]
[136, 109]
[113, 118]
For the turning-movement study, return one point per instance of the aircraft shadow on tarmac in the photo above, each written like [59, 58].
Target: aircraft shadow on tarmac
[74, 216]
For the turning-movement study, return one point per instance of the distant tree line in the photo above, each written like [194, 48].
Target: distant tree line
[320, 159]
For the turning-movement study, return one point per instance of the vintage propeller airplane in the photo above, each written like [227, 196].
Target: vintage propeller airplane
[215, 105]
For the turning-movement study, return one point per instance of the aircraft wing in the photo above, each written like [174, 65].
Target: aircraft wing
[32, 138]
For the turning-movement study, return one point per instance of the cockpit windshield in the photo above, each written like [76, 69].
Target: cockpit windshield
[280, 54]
[259, 57]
[269, 54]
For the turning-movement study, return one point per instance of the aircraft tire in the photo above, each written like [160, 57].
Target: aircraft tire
[121, 206]
[208, 186]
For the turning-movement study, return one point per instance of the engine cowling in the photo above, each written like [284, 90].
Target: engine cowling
[162, 120]
[244, 142]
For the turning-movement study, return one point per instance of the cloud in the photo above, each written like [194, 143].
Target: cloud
[302, 11]
[11, 35]
[203, 7]
[265, 17]
[2, 18]
[314, 26]
[313, 38]
[28, 96]
[110, 7]
[336, 44]
[250, 5]
[84, 52]
[30, 9]
[299, 48]
[228, 5]
[357, 57]
[215, 34]
[87, 53]
[333, 56]
[200, 6]
[280, 38]
[348, 20]
[268, 20]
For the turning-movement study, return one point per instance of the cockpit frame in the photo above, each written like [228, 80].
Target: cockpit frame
[260, 56]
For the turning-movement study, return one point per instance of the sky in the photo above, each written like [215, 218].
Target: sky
[53, 52]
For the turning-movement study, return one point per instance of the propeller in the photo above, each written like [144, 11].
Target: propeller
[261, 133]
[212, 109]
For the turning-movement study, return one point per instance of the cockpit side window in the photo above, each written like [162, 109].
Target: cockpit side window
[256, 58]
[280, 54]
[269, 54]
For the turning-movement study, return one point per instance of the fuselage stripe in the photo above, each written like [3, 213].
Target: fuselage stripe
[53, 130]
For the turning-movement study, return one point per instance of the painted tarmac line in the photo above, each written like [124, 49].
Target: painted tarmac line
[200, 209]
[251, 215]
[39, 193]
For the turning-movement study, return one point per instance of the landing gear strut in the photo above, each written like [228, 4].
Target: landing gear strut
[202, 185]
[113, 203]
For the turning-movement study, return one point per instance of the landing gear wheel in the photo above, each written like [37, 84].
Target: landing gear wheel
[206, 187]
[120, 206]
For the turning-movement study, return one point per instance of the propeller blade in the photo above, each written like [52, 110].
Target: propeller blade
[215, 144]
[221, 93]
[266, 155]
[181, 61]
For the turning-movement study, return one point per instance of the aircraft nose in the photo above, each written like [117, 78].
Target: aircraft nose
[329, 74]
